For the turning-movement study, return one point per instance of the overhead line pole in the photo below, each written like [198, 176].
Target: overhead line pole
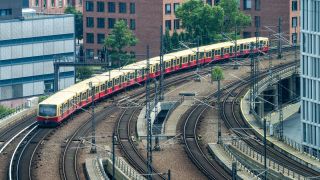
[279, 38]
[148, 118]
[161, 84]
[93, 139]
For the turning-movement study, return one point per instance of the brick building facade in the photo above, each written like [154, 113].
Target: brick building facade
[266, 13]
[143, 17]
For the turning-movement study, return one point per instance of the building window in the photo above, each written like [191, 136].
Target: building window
[61, 4]
[258, 5]
[294, 38]
[90, 38]
[122, 7]
[5, 12]
[168, 8]
[246, 34]
[100, 6]
[168, 24]
[209, 2]
[247, 4]
[257, 21]
[111, 22]
[36, 3]
[90, 22]
[111, 7]
[52, 3]
[294, 22]
[132, 24]
[132, 8]
[89, 6]
[294, 5]
[89, 53]
[100, 38]
[100, 22]
[175, 6]
[176, 24]
[44, 4]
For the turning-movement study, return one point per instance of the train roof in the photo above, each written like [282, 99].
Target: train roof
[68, 93]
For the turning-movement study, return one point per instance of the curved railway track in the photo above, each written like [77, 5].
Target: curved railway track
[125, 129]
[233, 118]
[210, 168]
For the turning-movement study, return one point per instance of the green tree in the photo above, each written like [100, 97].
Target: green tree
[4, 111]
[121, 37]
[175, 40]
[78, 18]
[233, 16]
[83, 73]
[200, 19]
[167, 41]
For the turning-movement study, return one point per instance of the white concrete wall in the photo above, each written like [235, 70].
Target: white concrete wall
[310, 74]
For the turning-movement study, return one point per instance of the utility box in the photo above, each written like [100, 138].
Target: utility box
[31, 102]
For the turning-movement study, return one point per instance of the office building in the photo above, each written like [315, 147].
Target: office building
[310, 76]
[28, 47]
[54, 6]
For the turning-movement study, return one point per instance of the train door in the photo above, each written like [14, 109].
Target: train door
[135, 74]
[222, 52]
[241, 48]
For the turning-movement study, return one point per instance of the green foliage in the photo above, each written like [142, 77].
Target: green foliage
[167, 41]
[5, 110]
[200, 19]
[78, 17]
[233, 16]
[121, 37]
[175, 40]
[217, 74]
[42, 98]
[83, 73]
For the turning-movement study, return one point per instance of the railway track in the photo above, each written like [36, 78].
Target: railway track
[21, 161]
[233, 118]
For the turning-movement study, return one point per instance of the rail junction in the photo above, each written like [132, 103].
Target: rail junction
[30, 137]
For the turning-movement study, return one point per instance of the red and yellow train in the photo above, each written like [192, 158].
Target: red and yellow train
[60, 105]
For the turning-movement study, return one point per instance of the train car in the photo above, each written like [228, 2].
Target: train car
[59, 106]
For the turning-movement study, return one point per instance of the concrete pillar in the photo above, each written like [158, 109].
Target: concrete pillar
[275, 96]
[292, 87]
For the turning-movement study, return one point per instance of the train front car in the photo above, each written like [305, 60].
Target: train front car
[48, 115]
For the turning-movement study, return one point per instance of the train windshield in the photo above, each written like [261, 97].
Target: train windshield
[47, 110]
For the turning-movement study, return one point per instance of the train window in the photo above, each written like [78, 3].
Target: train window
[189, 58]
[201, 55]
[222, 51]
[194, 57]
[212, 52]
[226, 50]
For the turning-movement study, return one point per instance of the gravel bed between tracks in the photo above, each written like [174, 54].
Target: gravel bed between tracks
[172, 157]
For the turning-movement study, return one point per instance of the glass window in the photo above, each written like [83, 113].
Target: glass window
[257, 21]
[294, 22]
[176, 24]
[89, 53]
[90, 22]
[36, 3]
[257, 5]
[100, 38]
[60, 3]
[294, 5]
[132, 24]
[111, 7]
[132, 8]
[168, 9]
[100, 6]
[111, 22]
[52, 3]
[47, 110]
[100, 22]
[175, 6]
[89, 6]
[168, 24]
[5, 12]
[122, 7]
[247, 4]
[90, 38]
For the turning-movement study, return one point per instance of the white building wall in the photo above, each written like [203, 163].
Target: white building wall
[34, 57]
[310, 75]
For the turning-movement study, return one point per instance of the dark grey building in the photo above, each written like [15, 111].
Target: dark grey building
[10, 9]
